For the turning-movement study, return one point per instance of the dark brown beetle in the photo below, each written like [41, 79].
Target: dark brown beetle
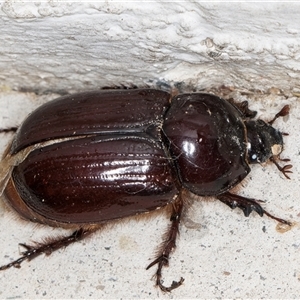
[83, 160]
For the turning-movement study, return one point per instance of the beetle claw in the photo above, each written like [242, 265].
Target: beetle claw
[163, 261]
[174, 285]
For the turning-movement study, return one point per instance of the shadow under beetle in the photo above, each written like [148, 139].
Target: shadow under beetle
[86, 159]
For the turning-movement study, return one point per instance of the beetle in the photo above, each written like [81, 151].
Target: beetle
[83, 160]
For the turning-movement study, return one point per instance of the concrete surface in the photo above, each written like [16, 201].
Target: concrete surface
[221, 254]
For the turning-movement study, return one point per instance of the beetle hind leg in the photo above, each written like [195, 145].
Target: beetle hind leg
[32, 251]
[247, 205]
[168, 246]
[10, 129]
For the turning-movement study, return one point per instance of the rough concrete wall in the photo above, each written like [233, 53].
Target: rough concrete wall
[253, 48]
[70, 46]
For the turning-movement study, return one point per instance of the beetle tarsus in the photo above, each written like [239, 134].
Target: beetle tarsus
[163, 261]
[16, 263]
[167, 247]
[247, 205]
[47, 248]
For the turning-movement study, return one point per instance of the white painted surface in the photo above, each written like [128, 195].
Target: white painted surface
[68, 45]
[51, 46]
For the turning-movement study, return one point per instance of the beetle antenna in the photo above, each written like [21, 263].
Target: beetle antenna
[285, 169]
[283, 112]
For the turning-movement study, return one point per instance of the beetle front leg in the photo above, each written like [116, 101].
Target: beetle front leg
[167, 247]
[244, 108]
[48, 247]
[247, 205]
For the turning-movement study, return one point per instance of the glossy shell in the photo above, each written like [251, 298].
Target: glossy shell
[97, 112]
[113, 165]
[113, 154]
[206, 137]
[94, 179]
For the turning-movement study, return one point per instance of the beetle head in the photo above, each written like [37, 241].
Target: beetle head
[264, 141]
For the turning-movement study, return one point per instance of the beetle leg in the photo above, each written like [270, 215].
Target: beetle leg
[167, 247]
[247, 205]
[121, 86]
[47, 247]
[11, 129]
[244, 109]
